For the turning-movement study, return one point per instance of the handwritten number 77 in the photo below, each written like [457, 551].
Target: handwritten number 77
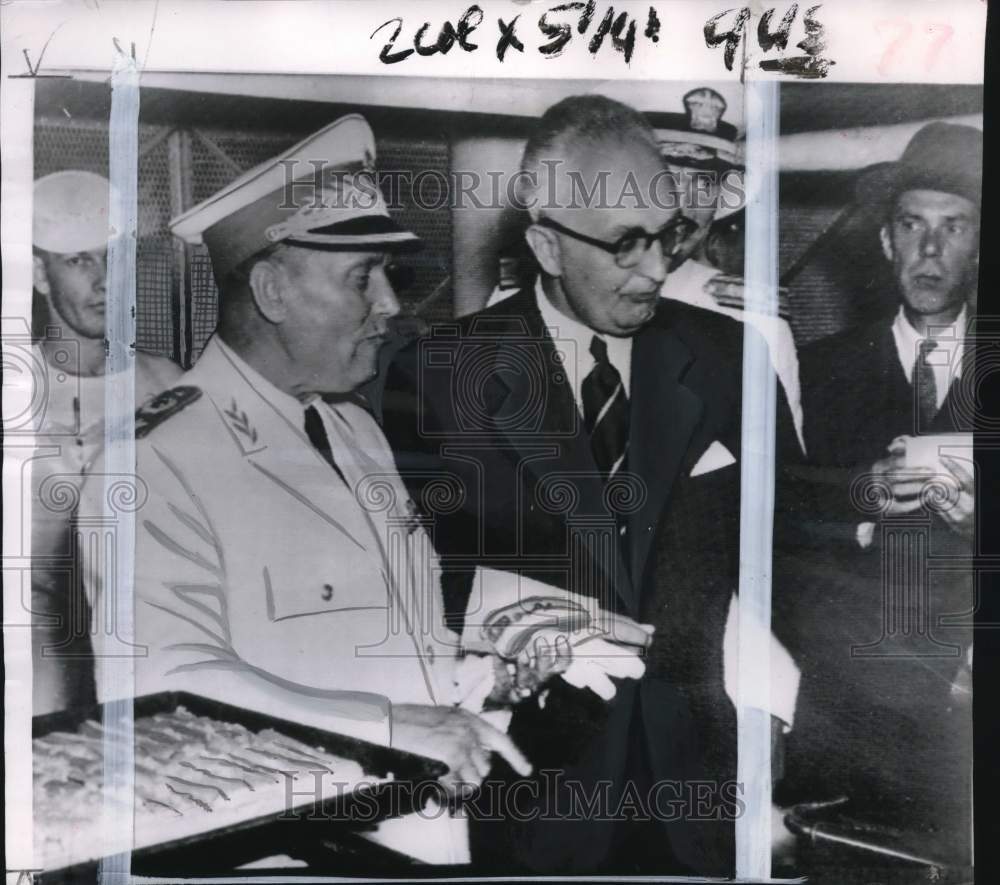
[901, 29]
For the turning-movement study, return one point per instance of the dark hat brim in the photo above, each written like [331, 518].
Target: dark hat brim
[711, 164]
[884, 182]
[376, 233]
[680, 123]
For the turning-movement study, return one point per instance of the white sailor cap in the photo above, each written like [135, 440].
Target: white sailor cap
[71, 212]
[319, 194]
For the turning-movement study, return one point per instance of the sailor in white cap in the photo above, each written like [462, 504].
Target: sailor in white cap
[70, 241]
[705, 153]
[279, 562]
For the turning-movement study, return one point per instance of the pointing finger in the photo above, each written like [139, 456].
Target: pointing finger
[499, 742]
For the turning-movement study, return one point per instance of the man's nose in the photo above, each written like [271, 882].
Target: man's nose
[100, 276]
[654, 262]
[930, 243]
[385, 303]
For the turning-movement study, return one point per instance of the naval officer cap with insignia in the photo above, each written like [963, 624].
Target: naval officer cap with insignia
[301, 248]
[705, 153]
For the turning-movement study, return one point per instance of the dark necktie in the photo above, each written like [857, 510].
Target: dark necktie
[317, 436]
[605, 411]
[926, 386]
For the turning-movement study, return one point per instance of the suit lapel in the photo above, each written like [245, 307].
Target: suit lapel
[559, 432]
[664, 416]
[889, 398]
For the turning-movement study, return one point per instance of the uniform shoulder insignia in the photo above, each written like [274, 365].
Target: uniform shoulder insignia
[163, 406]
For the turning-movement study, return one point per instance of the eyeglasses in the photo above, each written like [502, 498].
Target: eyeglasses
[629, 248]
[401, 276]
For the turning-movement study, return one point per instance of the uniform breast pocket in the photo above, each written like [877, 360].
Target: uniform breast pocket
[304, 592]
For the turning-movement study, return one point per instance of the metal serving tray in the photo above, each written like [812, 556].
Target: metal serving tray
[391, 798]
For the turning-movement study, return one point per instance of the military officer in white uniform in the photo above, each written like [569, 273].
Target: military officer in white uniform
[279, 563]
[70, 241]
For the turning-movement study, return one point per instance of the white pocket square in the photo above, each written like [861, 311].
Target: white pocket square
[715, 457]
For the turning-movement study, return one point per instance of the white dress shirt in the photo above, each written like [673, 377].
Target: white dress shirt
[572, 339]
[945, 360]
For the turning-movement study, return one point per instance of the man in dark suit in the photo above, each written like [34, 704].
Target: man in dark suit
[882, 607]
[595, 431]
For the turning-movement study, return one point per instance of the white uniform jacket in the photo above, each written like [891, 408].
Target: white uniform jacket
[264, 579]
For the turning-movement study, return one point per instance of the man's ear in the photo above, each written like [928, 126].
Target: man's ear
[545, 246]
[39, 275]
[268, 287]
[884, 236]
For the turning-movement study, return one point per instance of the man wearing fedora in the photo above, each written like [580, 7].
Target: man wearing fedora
[69, 276]
[884, 606]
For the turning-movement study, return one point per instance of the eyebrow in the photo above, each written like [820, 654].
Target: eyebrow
[369, 261]
[621, 230]
[961, 216]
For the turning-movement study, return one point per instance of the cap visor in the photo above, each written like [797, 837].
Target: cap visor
[708, 164]
[370, 233]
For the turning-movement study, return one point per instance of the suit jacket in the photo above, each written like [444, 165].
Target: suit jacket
[485, 402]
[881, 633]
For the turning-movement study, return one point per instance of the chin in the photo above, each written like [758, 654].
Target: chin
[364, 375]
[625, 332]
[934, 301]
[635, 323]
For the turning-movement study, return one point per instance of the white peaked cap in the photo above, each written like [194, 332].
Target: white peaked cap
[320, 194]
